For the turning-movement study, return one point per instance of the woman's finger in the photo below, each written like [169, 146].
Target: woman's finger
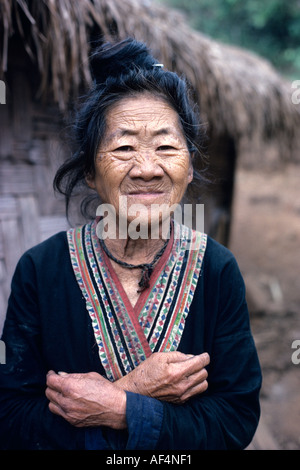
[54, 396]
[191, 392]
[193, 365]
[54, 408]
[54, 381]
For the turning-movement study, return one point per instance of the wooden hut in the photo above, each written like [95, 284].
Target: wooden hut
[44, 50]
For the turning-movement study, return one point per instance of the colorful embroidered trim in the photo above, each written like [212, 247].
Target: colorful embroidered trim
[124, 336]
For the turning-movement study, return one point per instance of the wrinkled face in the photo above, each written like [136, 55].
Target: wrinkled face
[143, 156]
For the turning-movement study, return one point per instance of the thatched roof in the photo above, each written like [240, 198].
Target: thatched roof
[239, 93]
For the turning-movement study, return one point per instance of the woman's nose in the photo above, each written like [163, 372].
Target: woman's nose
[146, 167]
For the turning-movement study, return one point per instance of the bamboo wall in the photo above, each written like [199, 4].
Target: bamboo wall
[30, 152]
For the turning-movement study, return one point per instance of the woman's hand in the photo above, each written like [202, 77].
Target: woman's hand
[91, 400]
[86, 400]
[174, 377]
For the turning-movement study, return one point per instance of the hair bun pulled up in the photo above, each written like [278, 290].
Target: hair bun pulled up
[114, 60]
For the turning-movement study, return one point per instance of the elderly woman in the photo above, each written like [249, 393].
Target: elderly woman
[129, 342]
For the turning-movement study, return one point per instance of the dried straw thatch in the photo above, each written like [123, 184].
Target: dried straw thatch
[239, 94]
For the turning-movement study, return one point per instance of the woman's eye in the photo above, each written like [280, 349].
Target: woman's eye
[124, 148]
[165, 147]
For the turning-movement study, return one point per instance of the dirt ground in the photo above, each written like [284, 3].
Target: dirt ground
[266, 242]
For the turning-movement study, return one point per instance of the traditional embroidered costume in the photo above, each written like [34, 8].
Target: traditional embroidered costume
[126, 335]
[68, 311]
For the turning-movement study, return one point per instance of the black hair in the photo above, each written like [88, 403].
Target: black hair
[120, 70]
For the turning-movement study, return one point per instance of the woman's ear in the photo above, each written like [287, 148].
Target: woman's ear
[90, 181]
[191, 170]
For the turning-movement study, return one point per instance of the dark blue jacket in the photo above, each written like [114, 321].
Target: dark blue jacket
[48, 327]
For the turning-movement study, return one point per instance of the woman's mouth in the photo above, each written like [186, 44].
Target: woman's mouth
[146, 195]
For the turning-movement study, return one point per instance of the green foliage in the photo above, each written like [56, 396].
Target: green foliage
[270, 28]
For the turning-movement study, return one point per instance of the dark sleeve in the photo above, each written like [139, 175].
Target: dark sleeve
[144, 417]
[25, 420]
[227, 414]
